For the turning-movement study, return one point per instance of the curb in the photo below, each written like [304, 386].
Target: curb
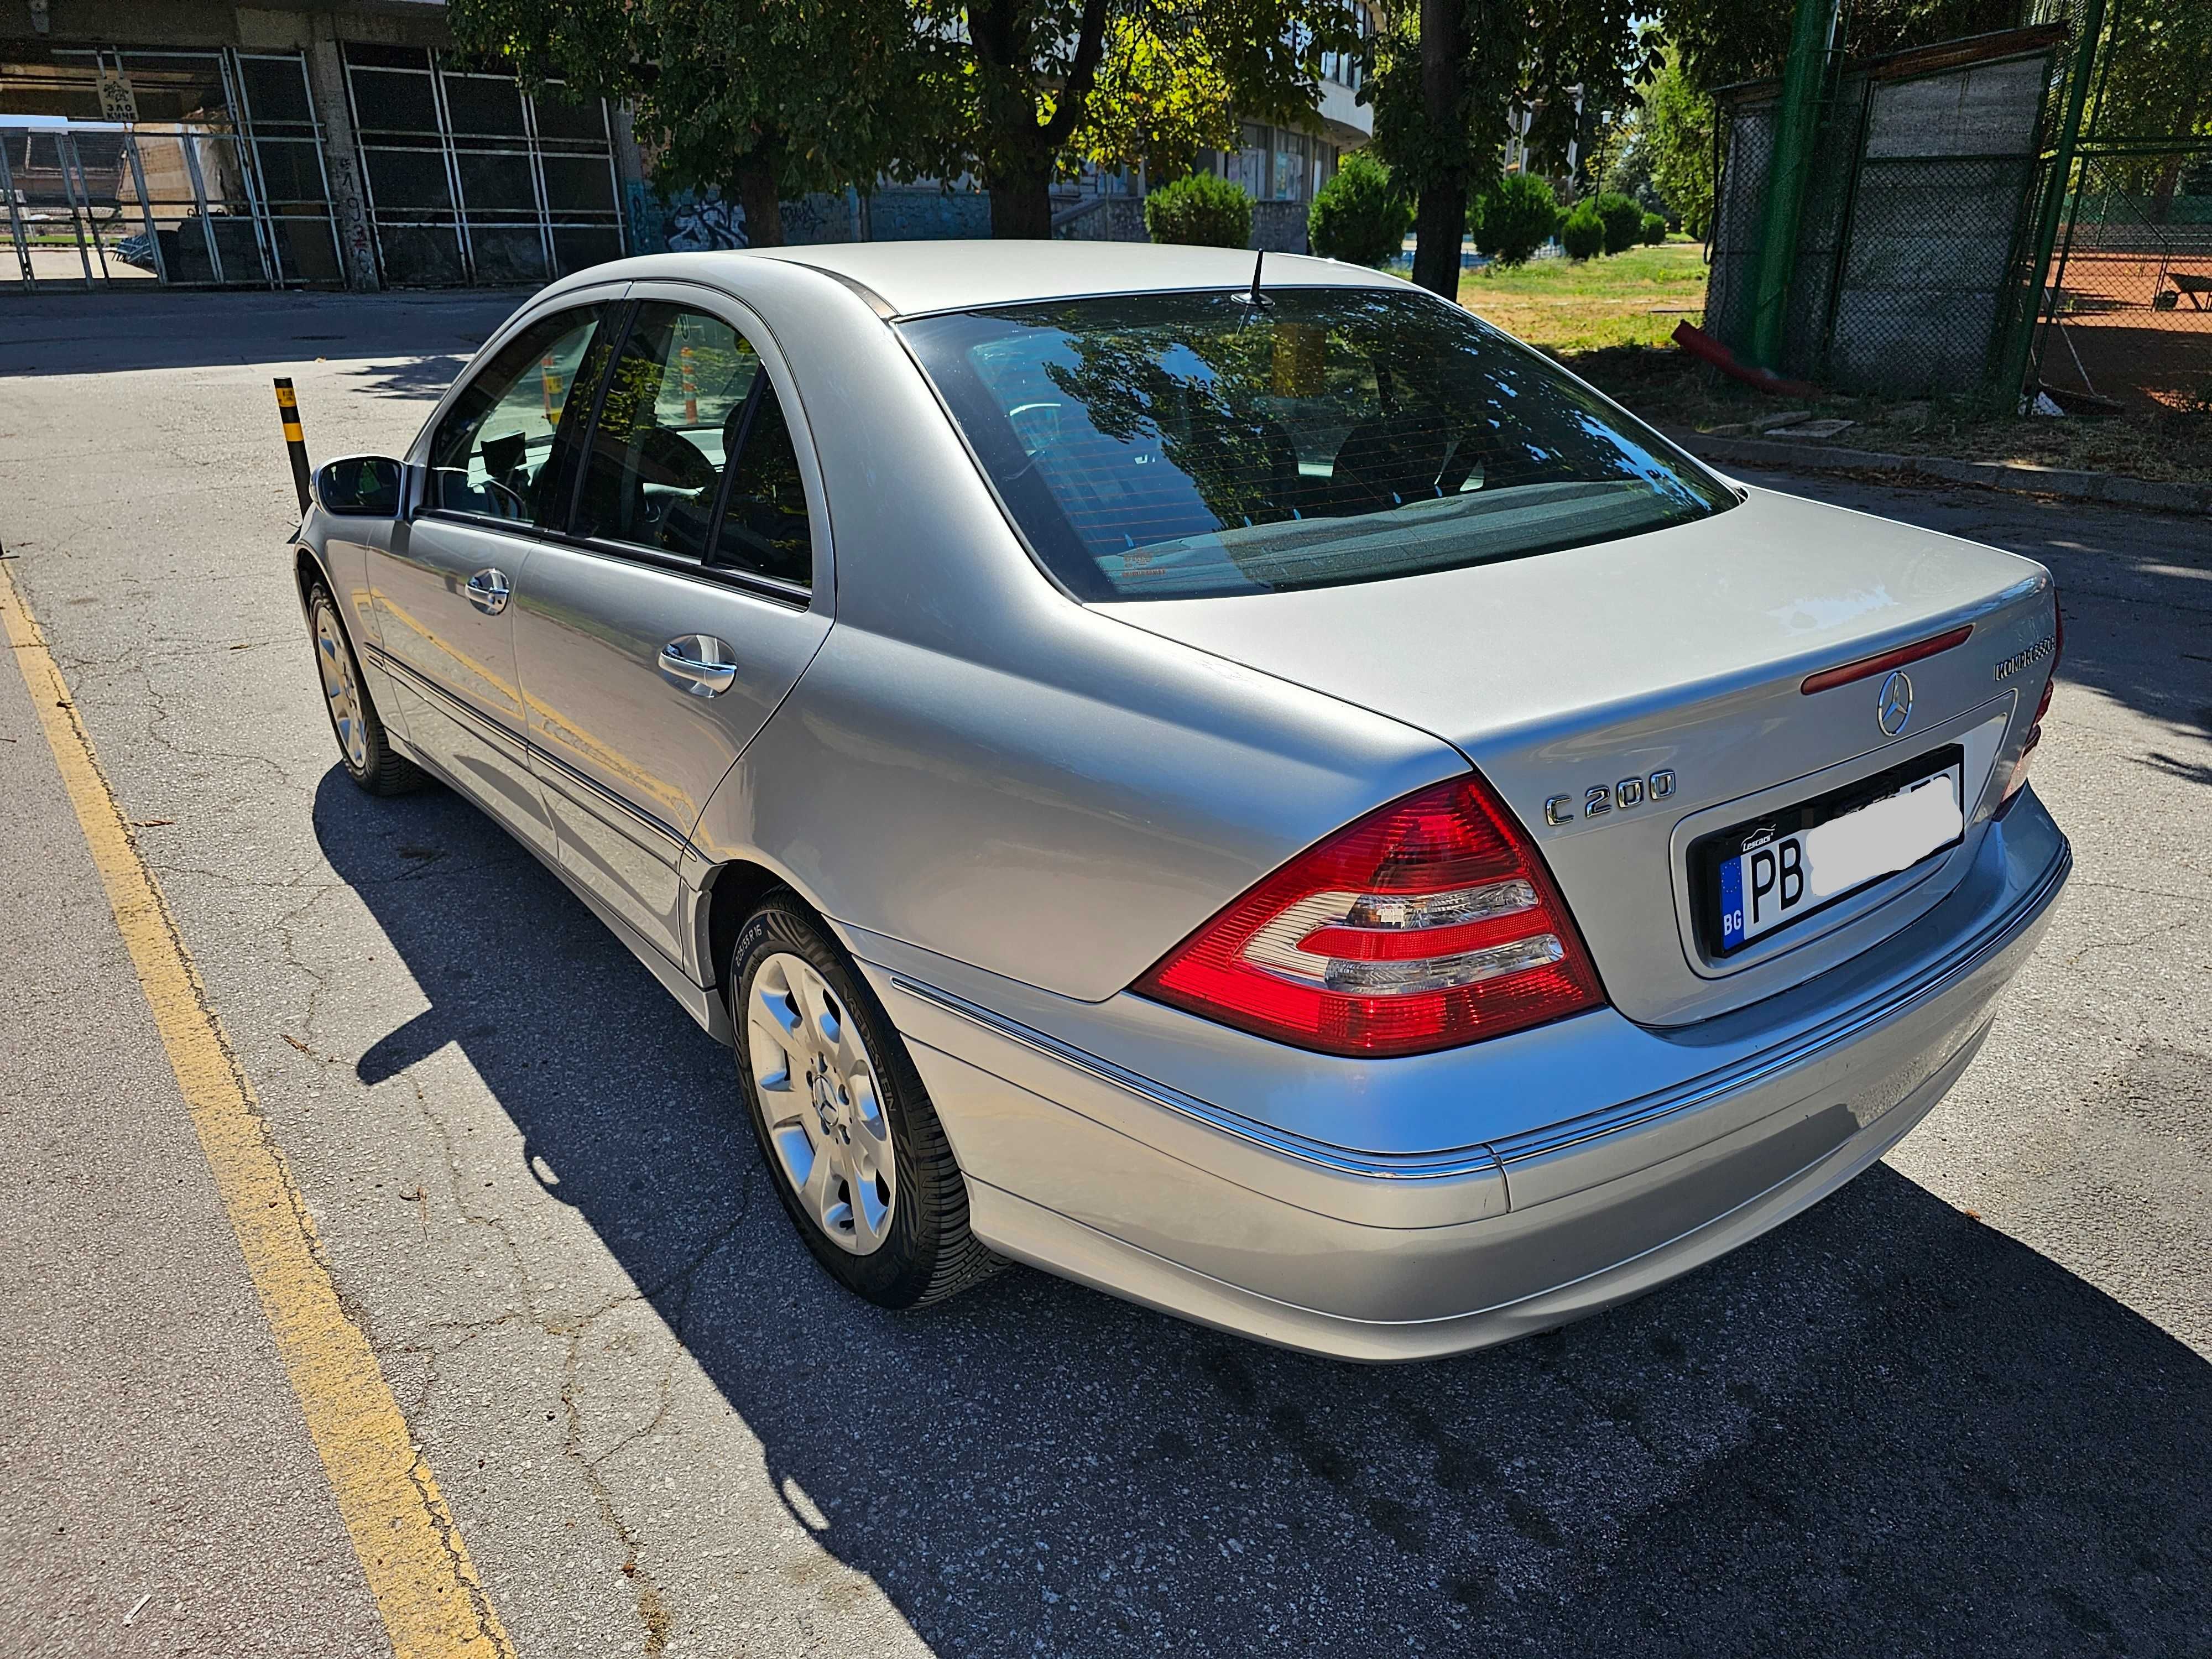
[2015, 476]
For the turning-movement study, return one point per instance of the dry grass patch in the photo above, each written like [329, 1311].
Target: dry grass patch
[1671, 390]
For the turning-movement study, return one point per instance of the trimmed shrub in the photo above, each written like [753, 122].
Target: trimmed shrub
[1655, 229]
[1513, 219]
[1201, 210]
[1622, 218]
[1583, 232]
[1359, 216]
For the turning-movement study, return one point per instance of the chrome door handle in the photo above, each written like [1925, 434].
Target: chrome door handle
[488, 591]
[698, 663]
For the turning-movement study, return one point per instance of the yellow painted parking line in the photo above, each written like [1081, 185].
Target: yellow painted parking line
[432, 1604]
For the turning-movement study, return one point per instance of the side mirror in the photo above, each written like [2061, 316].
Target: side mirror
[359, 487]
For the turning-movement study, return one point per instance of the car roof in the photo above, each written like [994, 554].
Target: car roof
[911, 277]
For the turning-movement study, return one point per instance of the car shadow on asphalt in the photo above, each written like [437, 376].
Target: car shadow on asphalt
[1883, 1428]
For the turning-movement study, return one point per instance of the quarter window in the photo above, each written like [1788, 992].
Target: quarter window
[490, 454]
[691, 441]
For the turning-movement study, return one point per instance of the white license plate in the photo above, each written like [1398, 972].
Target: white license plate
[1793, 874]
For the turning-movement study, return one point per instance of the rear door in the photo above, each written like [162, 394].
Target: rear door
[689, 589]
[443, 588]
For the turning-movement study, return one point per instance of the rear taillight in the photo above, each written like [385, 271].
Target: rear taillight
[1428, 923]
[2041, 708]
[2058, 653]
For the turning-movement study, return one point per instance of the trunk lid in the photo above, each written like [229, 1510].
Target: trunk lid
[1682, 653]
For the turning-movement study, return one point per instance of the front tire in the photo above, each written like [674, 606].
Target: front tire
[852, 1144]
[364, 750]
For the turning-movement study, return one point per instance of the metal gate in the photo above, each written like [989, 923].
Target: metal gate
[223, 187]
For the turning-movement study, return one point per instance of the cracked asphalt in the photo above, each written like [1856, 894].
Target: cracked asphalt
[1963, 1406]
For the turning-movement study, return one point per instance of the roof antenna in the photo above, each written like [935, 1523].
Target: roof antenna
[1258, 259]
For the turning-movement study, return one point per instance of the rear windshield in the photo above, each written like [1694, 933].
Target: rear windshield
[1176, 445]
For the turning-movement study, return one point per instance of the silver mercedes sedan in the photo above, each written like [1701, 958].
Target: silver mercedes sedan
[1254, 791]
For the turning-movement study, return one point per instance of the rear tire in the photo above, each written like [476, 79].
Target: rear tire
[364, 749]
[853, 1146]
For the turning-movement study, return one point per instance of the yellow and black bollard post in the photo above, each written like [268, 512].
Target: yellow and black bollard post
[288, 410]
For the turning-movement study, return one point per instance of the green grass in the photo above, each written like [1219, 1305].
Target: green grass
[1568, 305]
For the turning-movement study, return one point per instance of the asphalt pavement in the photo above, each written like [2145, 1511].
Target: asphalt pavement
[1963, 1406]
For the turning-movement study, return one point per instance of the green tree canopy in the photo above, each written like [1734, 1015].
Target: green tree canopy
[1023, 91]
[2160, 85]
[1446, 76]
[1677, 134]
[770, 99]
[765, 100]
[1724, 41]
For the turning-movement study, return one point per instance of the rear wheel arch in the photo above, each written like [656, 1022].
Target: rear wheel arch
[734, 892]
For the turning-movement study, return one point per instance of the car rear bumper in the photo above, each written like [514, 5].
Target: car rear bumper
[1080, 1165]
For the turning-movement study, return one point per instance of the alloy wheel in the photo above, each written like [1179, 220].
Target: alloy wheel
[821, 1101]
[339, 689]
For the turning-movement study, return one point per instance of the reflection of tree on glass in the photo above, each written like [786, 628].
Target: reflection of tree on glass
[491, 450]
[656, 451]
[1181, 444]
[690, 455]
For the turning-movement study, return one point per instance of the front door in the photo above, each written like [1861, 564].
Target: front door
[660, 633]
[444, 590]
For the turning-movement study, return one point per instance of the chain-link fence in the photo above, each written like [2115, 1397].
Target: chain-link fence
[2128, 311]
[1914, 241]
[1744, 151]
[2125, 307]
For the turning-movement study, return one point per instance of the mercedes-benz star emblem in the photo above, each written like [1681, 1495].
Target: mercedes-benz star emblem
[1896, 705]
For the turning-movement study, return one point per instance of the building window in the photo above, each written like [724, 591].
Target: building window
[1343, 67]
[184, 168]
[470, 180]
[1250, 162]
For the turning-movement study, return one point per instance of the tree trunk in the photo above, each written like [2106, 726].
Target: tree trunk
[1439, 223]
[2169, 176]
[1018, 149]
[1021, 199]
[1440, 213]
[758, 195]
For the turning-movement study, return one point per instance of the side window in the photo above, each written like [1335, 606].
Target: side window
[674, 408]
[764, 527]
[490, 454]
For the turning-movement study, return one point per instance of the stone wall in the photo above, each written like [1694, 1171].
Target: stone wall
[1106, 219]
[927, 214]
[1277, 226]
[1280, 227]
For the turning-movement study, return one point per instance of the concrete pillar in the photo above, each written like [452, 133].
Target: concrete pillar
[341, 157]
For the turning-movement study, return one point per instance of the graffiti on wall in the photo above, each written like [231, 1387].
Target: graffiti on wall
[704, 224]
